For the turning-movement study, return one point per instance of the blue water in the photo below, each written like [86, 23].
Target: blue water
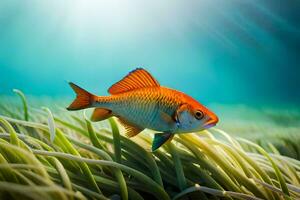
[232, 51]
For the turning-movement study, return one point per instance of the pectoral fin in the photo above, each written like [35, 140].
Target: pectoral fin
[160, 139]
[169, 119]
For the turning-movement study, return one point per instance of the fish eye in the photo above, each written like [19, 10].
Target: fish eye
[199, 114]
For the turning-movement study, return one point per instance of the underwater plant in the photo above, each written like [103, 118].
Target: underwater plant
[55, 154]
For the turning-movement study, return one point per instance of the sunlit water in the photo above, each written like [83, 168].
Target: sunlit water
[243, 52]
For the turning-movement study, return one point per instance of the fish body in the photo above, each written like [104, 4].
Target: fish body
[143, 107]
[139, 102]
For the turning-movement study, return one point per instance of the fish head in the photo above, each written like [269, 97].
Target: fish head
[195, 117]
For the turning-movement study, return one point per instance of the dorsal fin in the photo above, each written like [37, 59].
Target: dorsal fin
[138, 78]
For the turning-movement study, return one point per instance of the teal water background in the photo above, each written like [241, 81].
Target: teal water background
[216, 51]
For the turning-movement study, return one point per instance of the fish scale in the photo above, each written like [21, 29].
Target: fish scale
[142, 106]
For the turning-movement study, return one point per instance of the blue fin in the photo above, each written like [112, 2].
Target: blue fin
[160, 139]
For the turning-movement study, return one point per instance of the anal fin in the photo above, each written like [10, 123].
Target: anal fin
[160, 139]
[131, 129]
[100, 114]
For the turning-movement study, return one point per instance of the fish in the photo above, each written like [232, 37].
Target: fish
[140, 102]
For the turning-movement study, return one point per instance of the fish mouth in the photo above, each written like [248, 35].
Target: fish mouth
[206, 126]
[211, 123]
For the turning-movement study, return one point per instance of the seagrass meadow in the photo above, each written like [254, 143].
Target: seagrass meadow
[49, 153]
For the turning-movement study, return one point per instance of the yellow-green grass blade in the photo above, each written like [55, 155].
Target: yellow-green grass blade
[158, 191]
[215, 192]
[24, 102]
[178, 166]
[276, 169]
[116, 139]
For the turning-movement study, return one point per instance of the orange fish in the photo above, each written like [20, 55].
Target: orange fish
[139, 102]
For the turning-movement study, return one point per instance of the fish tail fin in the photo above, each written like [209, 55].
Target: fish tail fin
[160, 139]
[83, 100]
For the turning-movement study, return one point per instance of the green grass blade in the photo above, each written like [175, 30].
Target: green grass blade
[116, 139]
[51, 124]
[24, 102]
[13, 135]
[215, 192]
[275, 167]
[93, 137]
[178, 167]
[83, 166]
[148, 182]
